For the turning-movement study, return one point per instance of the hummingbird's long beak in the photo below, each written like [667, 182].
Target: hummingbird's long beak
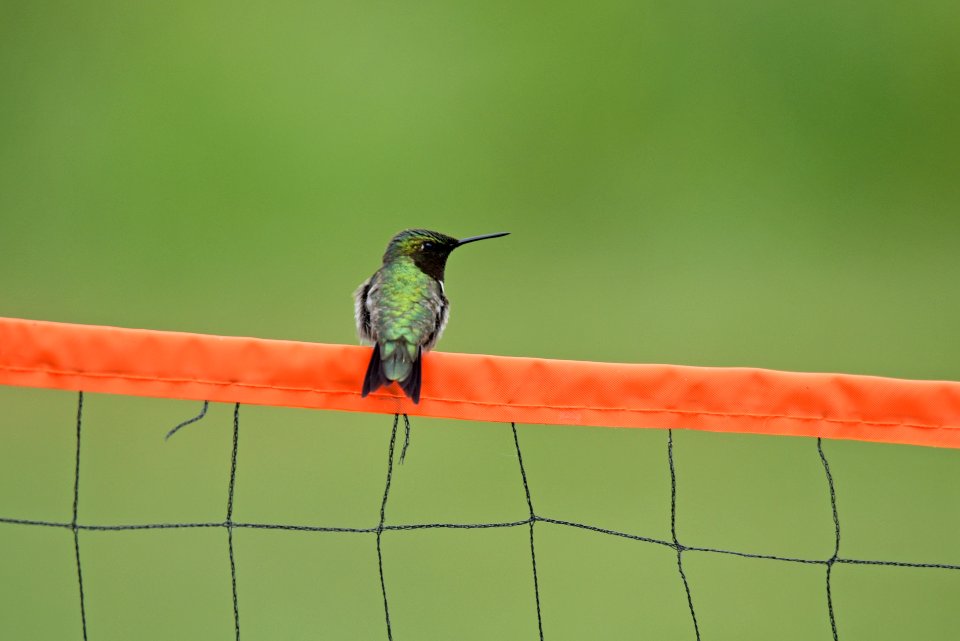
[484, 237]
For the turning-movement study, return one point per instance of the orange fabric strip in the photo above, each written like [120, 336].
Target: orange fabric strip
[479, 388]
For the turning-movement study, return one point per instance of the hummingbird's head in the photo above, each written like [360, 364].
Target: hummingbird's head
[428, 249]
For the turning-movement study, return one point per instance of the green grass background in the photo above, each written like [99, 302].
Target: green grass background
[740, 183]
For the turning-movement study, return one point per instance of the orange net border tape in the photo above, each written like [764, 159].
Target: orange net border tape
[479, 388]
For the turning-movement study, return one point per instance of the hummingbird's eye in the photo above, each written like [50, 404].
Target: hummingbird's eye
[427, 245]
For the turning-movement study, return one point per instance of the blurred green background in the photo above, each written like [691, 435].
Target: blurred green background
[740, 183]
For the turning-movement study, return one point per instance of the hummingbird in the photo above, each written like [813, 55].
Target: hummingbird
[402, 309]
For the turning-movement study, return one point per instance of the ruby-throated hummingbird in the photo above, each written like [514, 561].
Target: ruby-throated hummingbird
[402, 308]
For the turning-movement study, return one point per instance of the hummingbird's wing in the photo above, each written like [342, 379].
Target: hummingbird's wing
[440, 307]
[374, 379]
[361, 310]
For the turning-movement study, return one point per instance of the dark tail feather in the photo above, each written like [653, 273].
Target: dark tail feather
[411, 385]
[374, 378]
